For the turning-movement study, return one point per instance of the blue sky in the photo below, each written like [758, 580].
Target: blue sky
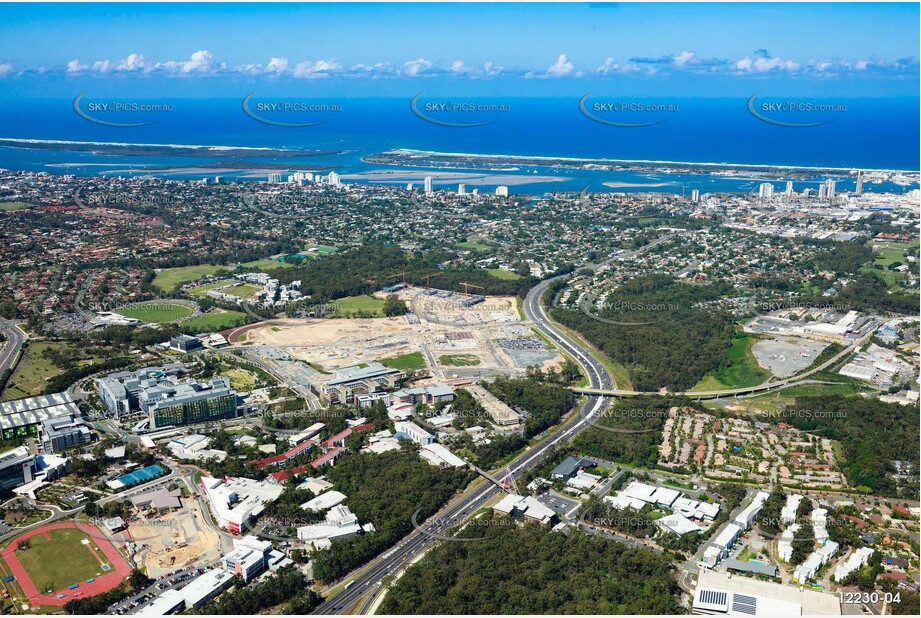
[844, 49]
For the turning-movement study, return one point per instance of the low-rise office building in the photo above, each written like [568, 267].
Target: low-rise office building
[22, 417]
[120, 391]
[237, 502]
[60, 432]
[349, 382]
[722, 594]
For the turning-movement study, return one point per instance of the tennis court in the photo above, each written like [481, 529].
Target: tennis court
[142, 475]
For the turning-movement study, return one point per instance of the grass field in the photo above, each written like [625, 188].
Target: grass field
[788, 395]
[408, 362]
[63, 560]
[458, 360]
[241, 379]
[352, 304]
[8, 206]
[244, 290]
[742, 371]
[265, 264]
[31, 372]
[499, 273]
[167, 279]
[889, 252]
[214, 320]
[473, 245]
[156, 312]
[324, 249]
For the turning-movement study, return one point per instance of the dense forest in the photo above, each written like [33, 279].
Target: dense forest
[629, 431]
[841, 258]
[386, 490]
[873, 434]
[286, 592]
[545, 403]
[665, 339]
[367, 269]
[532, 570]
[868, 292]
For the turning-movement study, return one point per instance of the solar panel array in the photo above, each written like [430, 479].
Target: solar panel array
[744, 604]
[713, 597]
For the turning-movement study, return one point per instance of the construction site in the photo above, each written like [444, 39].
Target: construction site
[457, 335]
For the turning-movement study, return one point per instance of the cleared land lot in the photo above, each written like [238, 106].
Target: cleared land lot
[500, 273]
[442, 334]
[214, 320]
[407, 362]
[351, 305]
[8, 206]
[33, 370]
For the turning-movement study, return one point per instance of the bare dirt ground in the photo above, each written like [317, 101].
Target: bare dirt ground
[439, 324]
[174, 540]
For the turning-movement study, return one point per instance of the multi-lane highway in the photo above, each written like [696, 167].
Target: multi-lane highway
[9, 349]
[368, 580]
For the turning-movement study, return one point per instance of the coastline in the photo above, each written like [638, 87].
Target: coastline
[589, 160]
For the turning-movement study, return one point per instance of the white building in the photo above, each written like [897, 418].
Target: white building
[785, 544]
[415, 433]
[766, 191]
[722, 594]
[249, 557]
[438, 455]
[325, 501]
[819, 521]
[808, 569]
[340, 523]
[237, 502]
[502, 191]
[679, 524]
[526, 506]
[748, 515]
[788, 512]
[853, 563]
[427, 185]
[307, 434]
[719, 547]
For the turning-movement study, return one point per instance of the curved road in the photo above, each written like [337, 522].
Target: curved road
[470, 501]
[9, 351]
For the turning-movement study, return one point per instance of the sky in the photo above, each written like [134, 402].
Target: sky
[681, 49]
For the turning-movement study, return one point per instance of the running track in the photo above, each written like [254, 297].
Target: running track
[102, 583]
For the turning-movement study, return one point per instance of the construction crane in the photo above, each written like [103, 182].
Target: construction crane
[428, 279]
[403, 274]
[509, 481]
[470, 285]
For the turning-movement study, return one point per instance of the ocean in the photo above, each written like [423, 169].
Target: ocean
[868, 134]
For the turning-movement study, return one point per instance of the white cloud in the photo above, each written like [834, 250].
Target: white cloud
[765, 63]
[684, 58]
[5, 68]
[318, 69]
[277, 65]
[134, 62]
[612, 67]
[200, 63]
[561, 68]
[74, 66]
[374, 71]
[459, 68]
[414, 67]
